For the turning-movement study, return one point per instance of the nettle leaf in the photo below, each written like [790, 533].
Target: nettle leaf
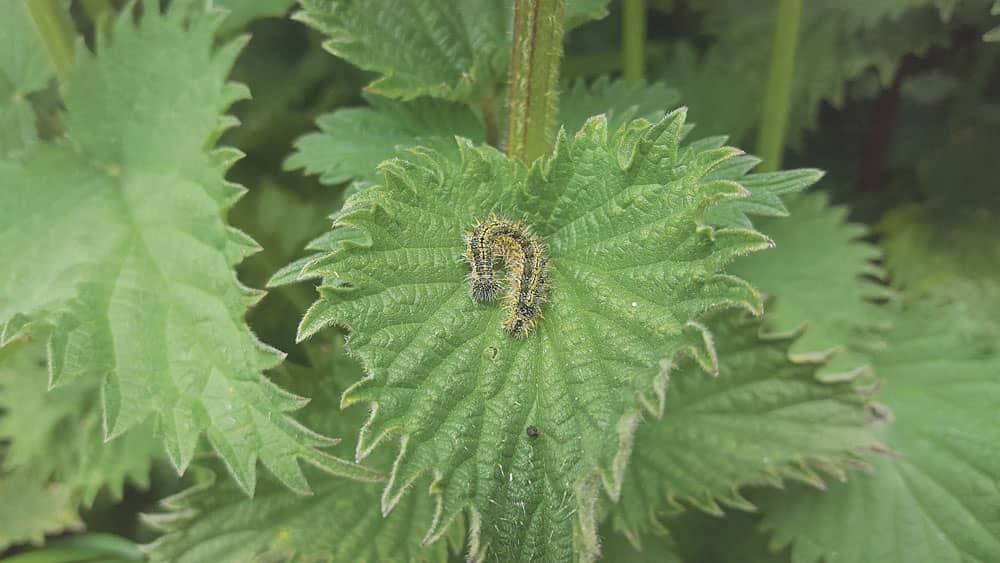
[31, 504]
[58, 434]
[766, 189]
[389, 128]
[706, 82]
[631, 268]
[457, 49]
[115, 237]
[946, 256]
[341, 521]
[938, 254]
[23, 70]
[454, 49]
[352, 142]
[831, 288]
[622, 101]
[943, 386]
[31, 507]
[766, 418]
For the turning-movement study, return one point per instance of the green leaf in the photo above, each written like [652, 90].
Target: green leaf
[329, 242]
[766, 418]
[933, 254]
[23, 69]
[292, 84]
[937, 499]
[458, 50]
[454, 49]
[946, 256]
[117, 240]
[340, 521]
[31, 506]
[48, 448]
[820, 274]
[620, 100]
[707, 87]
[58, 434]
[352, 142]
[631, 267]
[765, 189]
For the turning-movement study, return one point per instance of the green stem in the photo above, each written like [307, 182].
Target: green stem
[55, 28]
[778, 94]
[533, 92]
[99, 12]
[634, 40]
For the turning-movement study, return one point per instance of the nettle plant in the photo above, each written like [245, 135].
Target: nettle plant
[556, 320]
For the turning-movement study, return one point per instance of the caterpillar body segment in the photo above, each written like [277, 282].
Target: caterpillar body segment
[523, 257]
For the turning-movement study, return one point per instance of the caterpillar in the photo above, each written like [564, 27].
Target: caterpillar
[523, 255]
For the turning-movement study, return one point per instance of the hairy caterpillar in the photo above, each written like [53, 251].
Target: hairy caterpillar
[523, 256]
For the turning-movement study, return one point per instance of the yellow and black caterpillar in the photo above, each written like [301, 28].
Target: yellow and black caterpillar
[523, 256]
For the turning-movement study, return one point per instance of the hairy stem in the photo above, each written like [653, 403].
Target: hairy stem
[55, 28]
[778, 94]
[634, 40]
[534, 77]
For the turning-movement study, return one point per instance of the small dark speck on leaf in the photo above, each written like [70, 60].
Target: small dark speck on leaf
[531, 431]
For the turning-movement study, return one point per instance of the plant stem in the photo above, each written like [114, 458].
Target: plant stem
[778, 94]
[55, 28]
[99, 12]
[534, 77]
[634, 40]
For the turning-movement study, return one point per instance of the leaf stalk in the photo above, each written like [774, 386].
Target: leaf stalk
[634, 40]
[100, 13]
[778, 92]
[55, 28]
